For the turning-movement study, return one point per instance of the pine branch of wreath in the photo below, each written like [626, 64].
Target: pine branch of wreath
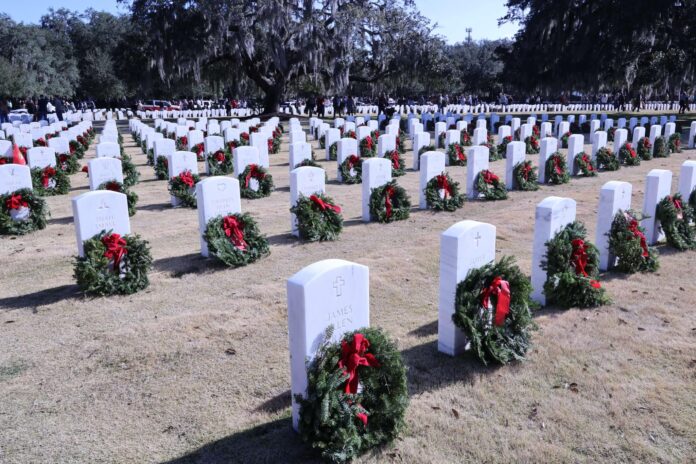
[22, 212]
[318, 218]
[235, 240]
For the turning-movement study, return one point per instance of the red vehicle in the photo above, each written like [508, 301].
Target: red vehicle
[159, 105]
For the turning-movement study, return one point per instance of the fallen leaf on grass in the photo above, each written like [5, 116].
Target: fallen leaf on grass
[230, 351]
[455, 413]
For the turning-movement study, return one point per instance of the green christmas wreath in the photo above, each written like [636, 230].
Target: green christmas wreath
[318, 218]
[572, 268]
[69, 164]
[397, 162]
[425, 149]
[150, 157]
[389, 203]
[532, 145]
[113, 264]
[456, 155]
[131, 176]
[400, 142]
[115, 186]
[322, 141]
[22, 212]
[162, 168]
[76, 149]
[628, 155]
[675, 218]
[357, 395]
[489, 186]
[556, 169]
[442, 193]
[368, 148]
[607, 160]
[628, 244]
[692, 200]
[183, 187]
[525, 175]
[351, 170]
[502, 147]
[308, 162]
[219, 163]
[251, 173]
[494, 310]
[674, 143]
[235, 240]
[49, 181]
[645, 149]
[564, 139]
[333, 151]
[464, 139]
[586, 165]
[611, 133]
[660, 148]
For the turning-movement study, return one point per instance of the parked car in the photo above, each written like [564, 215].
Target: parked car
[158, 105]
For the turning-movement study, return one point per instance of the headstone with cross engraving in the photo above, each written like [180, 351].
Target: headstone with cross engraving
[179, 162]
[259, 140]
[599, 140]
[655, 132]
[620, 137]
[305, 181]
[299, 151]
[99, 210]
[327, 293]
[41, 157]
[614, 196]
[477, 161]
[658, 185]
[375, 173]
[14, 177]
[514, 155]
[420, 140]
[102, 170]
[638, 133]
[243, 157]
[552, 215]
[547, 147]
[216, 196]
[108, 149]
[346, 148]
[385, 144]
[687, 179]
[464, 246]
[432, 164]
[576, 145]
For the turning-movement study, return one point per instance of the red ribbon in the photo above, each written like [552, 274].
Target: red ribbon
[676, 202]
[579, 256]
[187, 178]
[85, 168]
[15, 202]
[588, 161]
[500, 289]
[352, 161]
[388, 193]
[234, 230]
[219, 156]
[443, 184]
[270, 145]
[183, 141]
[460, 153]
[395, 159]
[244, 136]
[353, 355]
[526, 169]
[557, 165]
[255, 173]
[368, 142]
[489, 177]
[633, 228]
[199, 148]
[113, 186]
[48, 173]
[324, 205]
[115, 249]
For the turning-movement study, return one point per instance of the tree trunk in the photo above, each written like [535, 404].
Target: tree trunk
[274, 97]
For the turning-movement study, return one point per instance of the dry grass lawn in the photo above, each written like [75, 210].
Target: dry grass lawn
[196, 368]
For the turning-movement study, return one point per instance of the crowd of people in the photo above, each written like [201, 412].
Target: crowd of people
[39, 108]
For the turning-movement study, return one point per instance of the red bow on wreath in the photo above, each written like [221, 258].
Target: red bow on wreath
[586, 159]
[187, 178]
[500, 289]
[244, 136]
[631, 151]
[270, 144]
[234, 230]
[184, 140]
[489, 177]
[368, 142]
[578, 259]
[557, 165]
[677, 204]
[85, 168]
[388, 194]
[395, 159]
[526, 169]
[115, 249]
[353, 355]
[324, 205]
[460, 153]
[255, 173]
[219, 156]
[443, 184]
[113, 186]
[352, 161]
[633, 228]
[47, 175]
[15, 202]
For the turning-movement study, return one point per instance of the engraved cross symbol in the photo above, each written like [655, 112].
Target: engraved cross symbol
[338, 285]
[477, 238]
[103, 205]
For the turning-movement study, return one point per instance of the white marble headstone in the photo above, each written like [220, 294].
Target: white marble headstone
[432, 164]
[375, 173]
[306, 181]
[14, 177]
[476, 161]
[259, 140]
[638, 133]
[599, 140]
[658, 185]
[41, 157]
[244, 156]
[548, 147]
[103, 170]
[331, 136]
[420, 140]
[216, 196]
[299, 151]
[108, 149]
[99, 210]
[346, 148]
[514, 155]
[614, 196]
[385, 144]
[576, 145]
[687, 179]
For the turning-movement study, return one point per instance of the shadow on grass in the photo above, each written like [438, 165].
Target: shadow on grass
[41, 298]
[276, 404]
[274, 442]
[60, 221]
[425, 330]
[179, 266]
[155, 207]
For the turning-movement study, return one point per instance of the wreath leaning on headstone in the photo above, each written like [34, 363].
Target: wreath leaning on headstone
[692, 200]
[161, 168]
[357, 395]
[255, 182]
[607, 160]
[67, 163]
[351, 170]
[645, 149]
[572, 268]
[585, 164]
[675, 218]
[489, 186]
[532, 145]
[628, 155]
[456, 155]
[442, 193]
[115, 186]
[660, 148]
[308, 162]
[113, 264]
[674, 143]
[131, 176]
[389, 202]
[49, 181]
[235, 240]
[564, 139]
[318, 218]
[628, 244]
[219, 163]
[397, 162]
[494, 310]
[526, 178]
[556, 169]
[183, 187]
[502, 146]
[368, 148]
[76, 149]
[333, 151]
[22, 212]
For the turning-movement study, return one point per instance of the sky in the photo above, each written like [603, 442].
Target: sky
[452, 16]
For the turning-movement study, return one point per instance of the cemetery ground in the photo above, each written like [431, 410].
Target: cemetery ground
[196, 367]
